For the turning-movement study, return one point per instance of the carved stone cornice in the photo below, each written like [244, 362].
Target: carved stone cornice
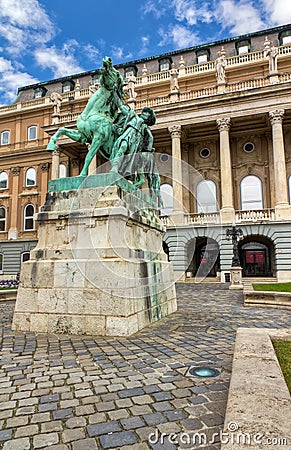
[223, 124]
[175, 131]
[276, 116]
[15, 170]
[45, 167]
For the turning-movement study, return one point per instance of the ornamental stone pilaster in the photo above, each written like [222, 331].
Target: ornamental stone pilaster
[55, 164]
[282, 207]
[227, 208]
[176, 133]
[14, 217]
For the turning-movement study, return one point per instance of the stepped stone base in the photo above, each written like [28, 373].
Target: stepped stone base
[99, 267]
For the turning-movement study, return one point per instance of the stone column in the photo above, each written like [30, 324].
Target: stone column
[227, 210]
[44, 181]
[176, 132]
[55, 165]
[282, 207]
[13, 230]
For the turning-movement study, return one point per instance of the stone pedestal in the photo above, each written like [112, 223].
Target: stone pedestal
[99, 267]
[236, 278]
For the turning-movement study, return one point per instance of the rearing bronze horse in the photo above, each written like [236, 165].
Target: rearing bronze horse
[95, 123]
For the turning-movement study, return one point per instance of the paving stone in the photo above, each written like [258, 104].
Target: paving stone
[73, 435]
[76, 422]
[5, 435]
[103, 428]
[132, 423]
[130, 392]
[97, 418]
[28, 430]
[63, 413]
[45, 440]
[85, 444]
[118, 414]
[17, 444]
[212, 419]
[191, 424]
[15, 422]
[154, 419]
[117, 440]
[55, 425]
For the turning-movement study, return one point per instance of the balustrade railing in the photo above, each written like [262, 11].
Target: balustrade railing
[201, 218]
[255, 215]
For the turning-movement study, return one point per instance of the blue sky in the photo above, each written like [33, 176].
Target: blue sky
[44, 39]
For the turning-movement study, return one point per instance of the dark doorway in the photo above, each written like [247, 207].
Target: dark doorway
[205, 261]
[256, 259]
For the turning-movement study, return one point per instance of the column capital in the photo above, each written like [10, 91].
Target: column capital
[276, 116]
[44, 167]
[15, 170]
[175, 131]
[56, 152]
[223, 124]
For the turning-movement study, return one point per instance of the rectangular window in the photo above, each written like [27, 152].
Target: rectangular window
[5, 137]
[242, 50]
[32, 133]
[164, 66]
[202, 59]
[286, 40]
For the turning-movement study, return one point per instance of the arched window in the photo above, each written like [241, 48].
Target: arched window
[25, 256]
[3, 180]
[1, 262]
[30, 177]
[2, 218]
[5, 137]
[206, 196]
[251, 193]
[32, 133]
[63, 171]
[167, 198]
[28, 217]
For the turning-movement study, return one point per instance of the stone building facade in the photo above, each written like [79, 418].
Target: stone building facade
[223, 147]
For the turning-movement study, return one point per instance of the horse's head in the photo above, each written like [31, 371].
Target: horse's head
[110, 77]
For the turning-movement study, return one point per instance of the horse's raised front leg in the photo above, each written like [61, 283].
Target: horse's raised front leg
[72, 134]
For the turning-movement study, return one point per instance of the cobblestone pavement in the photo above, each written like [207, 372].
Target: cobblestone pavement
[87, 393]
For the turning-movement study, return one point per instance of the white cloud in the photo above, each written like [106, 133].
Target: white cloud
[91, 52]
[60, 62]
[156, 7]
[241, 17]
[11, 79]
[277, 12]
[187, 10]
[24, 23]
[180, 36]
[119, 54]
[144, 45]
